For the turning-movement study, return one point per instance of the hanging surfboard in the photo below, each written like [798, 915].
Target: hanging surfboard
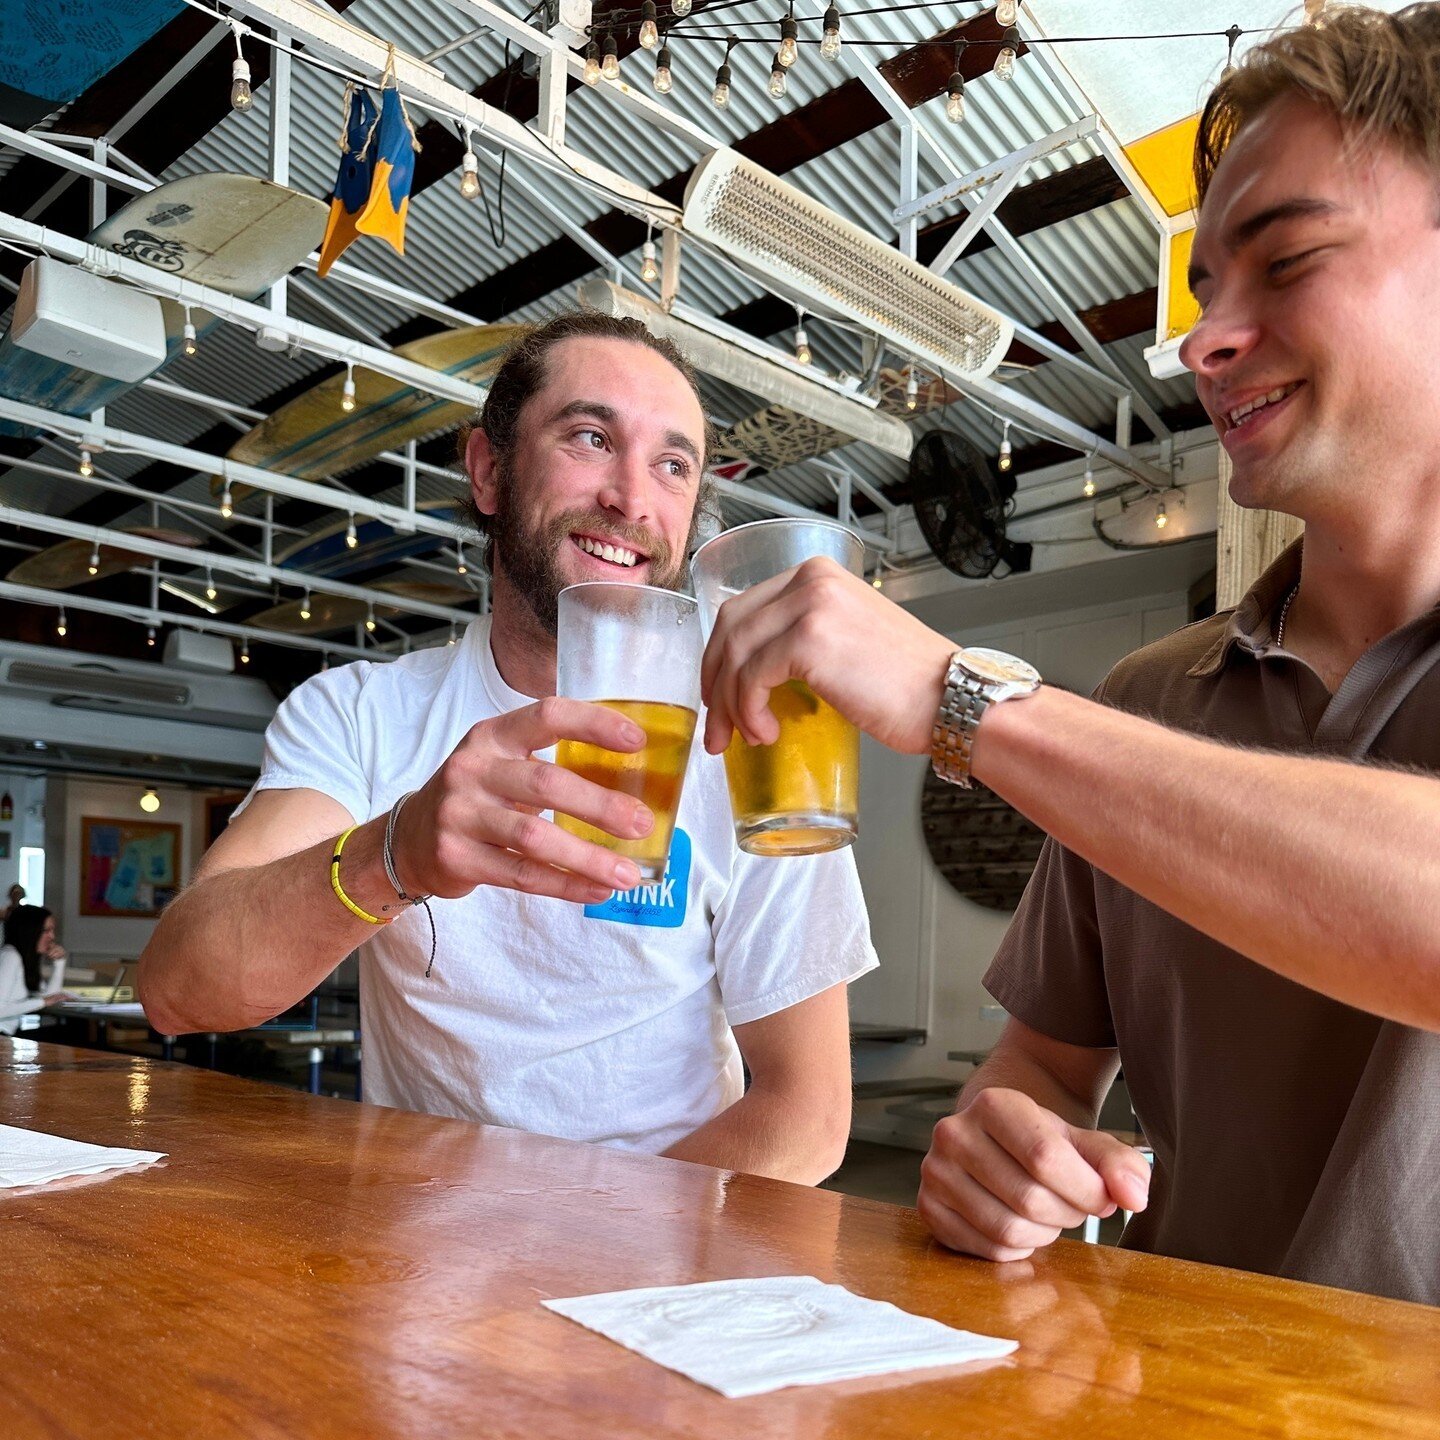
[236, 233]
[61, 566]
[327, 552]
[334, 612]
[315, 438]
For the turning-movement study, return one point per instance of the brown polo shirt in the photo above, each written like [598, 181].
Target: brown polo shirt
[1293, 1134]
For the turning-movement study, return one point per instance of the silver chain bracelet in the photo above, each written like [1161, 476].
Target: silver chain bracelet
[387, 855]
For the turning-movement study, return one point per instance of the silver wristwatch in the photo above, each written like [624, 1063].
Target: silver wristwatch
[976, 679]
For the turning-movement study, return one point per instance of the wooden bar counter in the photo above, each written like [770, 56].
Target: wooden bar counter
[314, 1268]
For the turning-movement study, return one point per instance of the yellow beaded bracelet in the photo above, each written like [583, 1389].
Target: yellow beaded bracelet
[335, 885]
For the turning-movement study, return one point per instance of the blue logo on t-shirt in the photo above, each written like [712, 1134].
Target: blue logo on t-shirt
[662, 904]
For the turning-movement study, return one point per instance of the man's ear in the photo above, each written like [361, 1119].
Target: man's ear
[480, 462]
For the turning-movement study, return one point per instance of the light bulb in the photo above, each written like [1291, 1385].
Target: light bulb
[649, 31]
[87, 466]
[469, 175]
[451, 640]
[1088, 489]
[955, 99]
[720, 96]
[351, 538]
[1006, 458]
[150, 636]
[649, 271]
[209, 586]
[1005, 12]
[227, 503]
[188, 345]
[1005, 60]
[94, 560]
[150, 802]
[305, 606]
[830, 44]
[460, 567]
[324, 662]
[240, 97]
[245, 652]
[802, 346]
[60, 626]
[912, 391]
[370, 621]
[789, 51]
[1161, 518]
[663, 77]
[878, 582]
[347, 391]
[591, 74]
[680, 8]
[610, 65]
[777, 79]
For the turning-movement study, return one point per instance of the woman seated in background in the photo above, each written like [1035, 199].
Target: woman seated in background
[29, 939]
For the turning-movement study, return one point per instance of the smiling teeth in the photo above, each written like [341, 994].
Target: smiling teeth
[1235, 416]
[613, 553]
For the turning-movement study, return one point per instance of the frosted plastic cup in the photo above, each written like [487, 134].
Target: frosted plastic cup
[799, 796]
[634, 649]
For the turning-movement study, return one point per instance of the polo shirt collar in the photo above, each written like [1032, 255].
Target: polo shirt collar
[1253, 621]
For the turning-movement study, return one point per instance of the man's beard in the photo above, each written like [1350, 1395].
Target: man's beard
[530, 553]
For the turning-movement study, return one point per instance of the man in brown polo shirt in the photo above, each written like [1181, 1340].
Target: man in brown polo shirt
[1241, 901]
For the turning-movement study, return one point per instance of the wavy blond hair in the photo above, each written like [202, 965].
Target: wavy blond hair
[1378, 74]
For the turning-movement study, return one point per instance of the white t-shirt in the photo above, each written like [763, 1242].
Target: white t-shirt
[608, 1023]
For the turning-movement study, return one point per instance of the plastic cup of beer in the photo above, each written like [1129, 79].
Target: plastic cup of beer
[799, 796]
[635, 649]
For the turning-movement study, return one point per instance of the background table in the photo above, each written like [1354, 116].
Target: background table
[317, 1268]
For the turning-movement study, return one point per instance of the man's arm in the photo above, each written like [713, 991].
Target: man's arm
[1020, 1161]
[260, 926]
[794, 1120]
[1324, 871]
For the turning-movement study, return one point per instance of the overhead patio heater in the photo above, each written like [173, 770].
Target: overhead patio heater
[819, 258]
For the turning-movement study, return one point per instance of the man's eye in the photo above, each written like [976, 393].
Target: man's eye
[594, 438]
[678, 468]
[1287, 262]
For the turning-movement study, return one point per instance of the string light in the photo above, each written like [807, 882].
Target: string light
[451, 640]
[1088, 489]
[720, 96]
[1161, 518]
[1006, 12]
[95, 559]
[347, 391]
[324, 661]
[680, 8]
[649, 271]
[460, 566]
[150, 801]
[87, 465]
[664, 79]
[789, 51]
[1007, 456]
[469, 171]
[370, 621]
[803, 354]
[60, 626]
[245, 651]
[830, 44]
[351, 538]
[955, 90]
[610, 65]
[777, 78]
[227, 502]
[1231, 36]
[591, 74]
[1005, 60]
[649, 31]
[188, 344]
[241, 97]
[879, 581]
[210, 591]
[912, 389]
[150, 636]
[305, 605]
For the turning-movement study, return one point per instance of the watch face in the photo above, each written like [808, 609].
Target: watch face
[997, 666]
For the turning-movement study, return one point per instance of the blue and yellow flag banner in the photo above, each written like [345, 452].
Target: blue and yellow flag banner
[377, 168]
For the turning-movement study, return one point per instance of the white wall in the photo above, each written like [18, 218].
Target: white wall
[26, 827]
[934, 945]
[73, 798]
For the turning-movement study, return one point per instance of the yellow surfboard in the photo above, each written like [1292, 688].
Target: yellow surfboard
[313, 438]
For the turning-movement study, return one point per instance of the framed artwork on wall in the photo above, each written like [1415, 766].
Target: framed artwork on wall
[128, 868]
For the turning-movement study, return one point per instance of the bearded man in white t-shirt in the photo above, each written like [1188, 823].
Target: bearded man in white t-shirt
[564, 997]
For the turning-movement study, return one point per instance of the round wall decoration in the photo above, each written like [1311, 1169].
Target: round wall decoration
[983, 846]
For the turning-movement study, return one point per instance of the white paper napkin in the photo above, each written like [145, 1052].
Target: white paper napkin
[746, 1337]
[30, 1157]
